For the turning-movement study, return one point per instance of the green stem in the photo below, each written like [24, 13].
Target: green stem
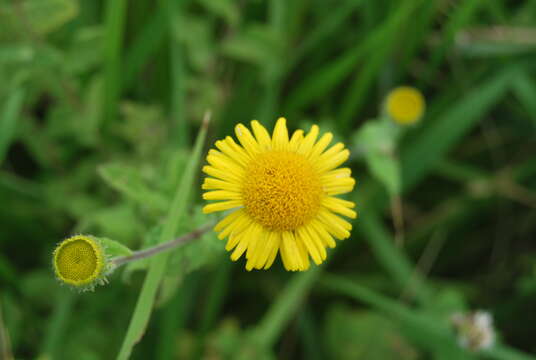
[163, 247]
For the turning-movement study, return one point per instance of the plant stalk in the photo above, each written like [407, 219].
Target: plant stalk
[145, 253]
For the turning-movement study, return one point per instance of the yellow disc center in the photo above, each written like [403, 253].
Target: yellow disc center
[77, 261]
[281, 190]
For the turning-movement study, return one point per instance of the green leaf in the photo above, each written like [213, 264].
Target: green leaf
[376, 140]
[226, 9]
[44, 16]
[195, 254]
[258, 44]
[114, 248]
[128, 180]
[386, 168]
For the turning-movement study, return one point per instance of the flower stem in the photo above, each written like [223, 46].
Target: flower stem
[145, 253]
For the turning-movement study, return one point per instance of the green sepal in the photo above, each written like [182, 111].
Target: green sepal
[114, 248]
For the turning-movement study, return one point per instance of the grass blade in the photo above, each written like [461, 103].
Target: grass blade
[157, 266]
[391, 258]
[385, 43]
[328, 77]
[281, 311]
[144, 46]
[8, 121]
[459, 18]
[115, 19]
[177, 73]
[525, 89]
[432, 144]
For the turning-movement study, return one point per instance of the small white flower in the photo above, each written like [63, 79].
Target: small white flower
[475, 329]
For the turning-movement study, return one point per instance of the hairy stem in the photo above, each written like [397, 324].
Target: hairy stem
[145, 253]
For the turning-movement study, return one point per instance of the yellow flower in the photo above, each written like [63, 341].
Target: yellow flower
[80, 261]
[282, 192]
[405, 105]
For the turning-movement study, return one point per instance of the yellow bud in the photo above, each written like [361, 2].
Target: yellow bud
[405, 105]
[80, 261]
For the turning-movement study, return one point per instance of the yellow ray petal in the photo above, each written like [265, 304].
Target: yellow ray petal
[290, 250]
[336, 174]
[334, 225]
[222, 162]
[308, 141]
[337, 190]
[236, 227]
[221, 206]
[276, 242]
[321, 248]
[306, 239]
[323, 233]
[237, 153]
[229, 219]
[320, 146]
[222, 195]
[247, 140]
[258, 253]
[216, 184]
[232, 242]
[254, 242]
[244, 241]
[303, 254]
[223, 175]
[296, 140]
[280, 135]
[334, 205]
[262, 135]
[326, 164]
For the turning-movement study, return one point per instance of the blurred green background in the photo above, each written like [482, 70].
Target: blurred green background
[100, 104]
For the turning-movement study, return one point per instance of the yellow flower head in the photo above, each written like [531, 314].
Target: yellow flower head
[405, 105]
[281, 192]
[80, 261]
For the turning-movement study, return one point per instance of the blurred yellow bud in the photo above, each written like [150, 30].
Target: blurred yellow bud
[405, 105]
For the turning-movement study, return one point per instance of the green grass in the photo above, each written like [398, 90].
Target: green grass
[101, 132]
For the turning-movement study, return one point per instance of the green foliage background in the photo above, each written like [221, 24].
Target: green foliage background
[100, 106]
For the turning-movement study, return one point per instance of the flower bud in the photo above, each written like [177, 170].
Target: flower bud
[405, 105]
[81, 262]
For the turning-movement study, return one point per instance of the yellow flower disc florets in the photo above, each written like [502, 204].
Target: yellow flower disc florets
[405, 105]
[281, 190]
[79, 261]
